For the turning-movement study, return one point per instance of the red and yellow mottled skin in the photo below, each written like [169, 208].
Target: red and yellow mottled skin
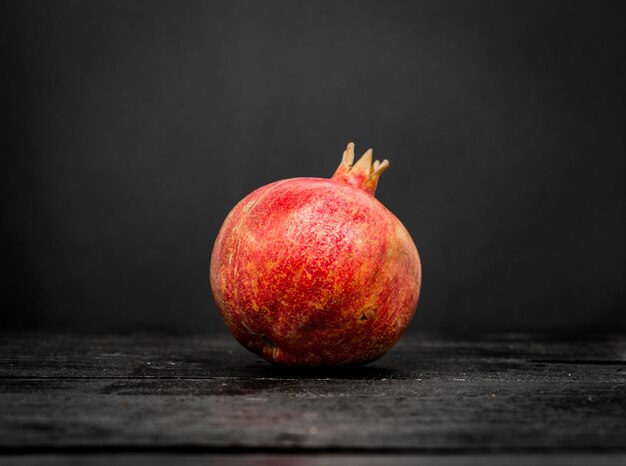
[316, 272]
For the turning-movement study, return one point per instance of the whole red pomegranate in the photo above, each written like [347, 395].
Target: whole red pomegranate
[317, 272]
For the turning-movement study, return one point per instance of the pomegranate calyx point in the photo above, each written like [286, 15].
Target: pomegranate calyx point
[363, 174]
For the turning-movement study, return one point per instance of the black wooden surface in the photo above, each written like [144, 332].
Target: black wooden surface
[504, 399]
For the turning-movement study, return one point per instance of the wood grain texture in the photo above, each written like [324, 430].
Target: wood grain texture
[109, 394]
[316, 459]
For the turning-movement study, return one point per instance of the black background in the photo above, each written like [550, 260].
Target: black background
[132, 128]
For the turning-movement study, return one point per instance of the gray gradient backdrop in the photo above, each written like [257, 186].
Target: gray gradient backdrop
[131, 128]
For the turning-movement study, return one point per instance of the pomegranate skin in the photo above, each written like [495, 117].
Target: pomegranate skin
[316, 272]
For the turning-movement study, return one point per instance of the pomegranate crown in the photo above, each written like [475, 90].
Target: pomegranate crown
[363, 174]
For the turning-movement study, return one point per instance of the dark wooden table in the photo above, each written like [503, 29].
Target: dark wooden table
[145, 399]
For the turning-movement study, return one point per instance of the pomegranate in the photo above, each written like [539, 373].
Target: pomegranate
[317, 272]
